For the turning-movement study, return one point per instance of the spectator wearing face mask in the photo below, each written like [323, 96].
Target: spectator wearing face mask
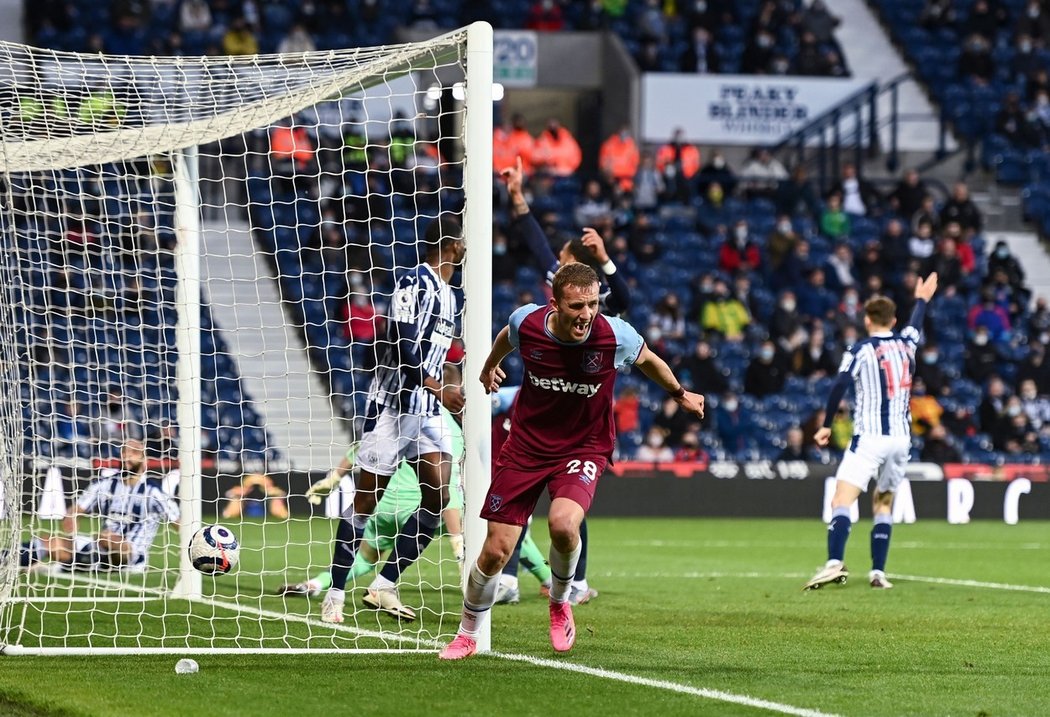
[1034, 368]
[1034, 22]
[758, 53]
[1015, 434]
[766, 373]
[1039, 322]
[859, 197]
[724, 315]
[929, 370]
[1026, 60]
[738, 251]
[678, 161]
[716, 170]
[838, 272]
[850, 312]
[655, 448]
[780, 242]
[989, 316]
[1036, 407]
[980, 358]
[785, 320]
[1002, 260]
[976, 63]
[732, 424]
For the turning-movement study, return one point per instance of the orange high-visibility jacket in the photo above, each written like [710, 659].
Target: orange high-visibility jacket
[560, 154]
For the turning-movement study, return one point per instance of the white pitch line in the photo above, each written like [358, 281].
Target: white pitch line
[975, 584]
[717, 695]
[795, 576]
[750, 544]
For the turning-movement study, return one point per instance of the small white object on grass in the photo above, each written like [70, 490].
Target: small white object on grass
[186, 667]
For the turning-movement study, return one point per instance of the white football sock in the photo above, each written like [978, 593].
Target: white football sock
[563, 564]
[478, 598]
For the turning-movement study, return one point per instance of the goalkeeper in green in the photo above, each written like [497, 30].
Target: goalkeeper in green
[400, 500]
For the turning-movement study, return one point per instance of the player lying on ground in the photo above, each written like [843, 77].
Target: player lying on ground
[561, 438]
[400, 501]
[132, 504]
[880, 371]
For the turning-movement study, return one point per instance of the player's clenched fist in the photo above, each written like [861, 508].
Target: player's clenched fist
[492, 377]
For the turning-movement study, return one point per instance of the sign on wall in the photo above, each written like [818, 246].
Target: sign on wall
[515, 58]
[736, 109]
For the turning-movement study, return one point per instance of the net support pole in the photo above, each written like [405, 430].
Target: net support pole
[188, 364]
[477, 288]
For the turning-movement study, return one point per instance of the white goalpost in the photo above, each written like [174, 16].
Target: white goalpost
[197, 256]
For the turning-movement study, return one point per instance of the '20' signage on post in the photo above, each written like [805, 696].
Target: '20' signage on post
[515, 58]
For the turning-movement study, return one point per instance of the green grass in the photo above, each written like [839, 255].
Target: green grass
[707, 604]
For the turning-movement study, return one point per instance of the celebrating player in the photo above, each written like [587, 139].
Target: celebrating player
[400, 501]
[561, 437]
[615, 299]
[133, 506]
[407, 389]
[880, 368]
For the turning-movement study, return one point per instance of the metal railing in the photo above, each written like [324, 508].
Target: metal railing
[853, 126]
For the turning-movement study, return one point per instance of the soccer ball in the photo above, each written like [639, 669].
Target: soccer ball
[214, 550]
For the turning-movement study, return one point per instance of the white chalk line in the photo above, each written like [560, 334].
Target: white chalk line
[714, 575]
[627, 678]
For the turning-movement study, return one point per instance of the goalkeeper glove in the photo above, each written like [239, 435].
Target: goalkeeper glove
[323, 487]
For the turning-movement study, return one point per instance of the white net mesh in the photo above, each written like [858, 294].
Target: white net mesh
[317, 175]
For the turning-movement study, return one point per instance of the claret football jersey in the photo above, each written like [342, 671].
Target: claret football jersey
[565, 403]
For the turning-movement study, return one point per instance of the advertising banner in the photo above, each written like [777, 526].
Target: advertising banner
[736, 109]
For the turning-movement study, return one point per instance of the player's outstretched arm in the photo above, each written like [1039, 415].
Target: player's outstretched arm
[660, 373]
[924, 291]
[926, 288]
[514, 179]
[491, 374]
[619, 294]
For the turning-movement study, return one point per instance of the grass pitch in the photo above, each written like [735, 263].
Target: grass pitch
[694, 617]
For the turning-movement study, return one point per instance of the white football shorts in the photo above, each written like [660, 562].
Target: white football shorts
[396, 437]
[872, 456]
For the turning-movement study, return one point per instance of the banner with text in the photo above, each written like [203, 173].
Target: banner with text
[735, 109]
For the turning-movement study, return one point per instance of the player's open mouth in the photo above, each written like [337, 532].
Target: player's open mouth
[580, 327]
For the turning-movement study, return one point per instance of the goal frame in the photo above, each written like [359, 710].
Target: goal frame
[477, 322]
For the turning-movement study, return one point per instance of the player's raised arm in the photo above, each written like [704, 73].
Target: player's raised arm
[924, 291]
[491, 373]
[660, 373]
[619, 299]
[514, 179]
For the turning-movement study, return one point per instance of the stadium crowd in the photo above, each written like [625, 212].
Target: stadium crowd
[780, 37]
[749, 280]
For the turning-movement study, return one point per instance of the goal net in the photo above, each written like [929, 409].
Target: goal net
[197, 263]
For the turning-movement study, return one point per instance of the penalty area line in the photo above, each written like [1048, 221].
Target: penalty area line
[705, 693]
